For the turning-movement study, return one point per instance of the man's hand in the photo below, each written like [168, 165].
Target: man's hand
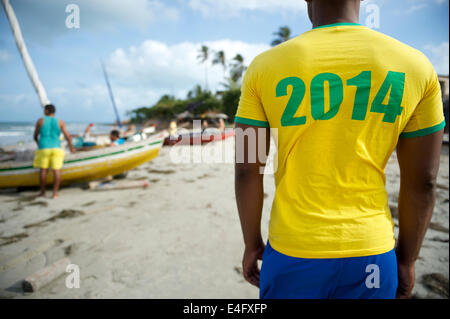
[250, 263]
[406, 277]
[37, 129]
[66, 134]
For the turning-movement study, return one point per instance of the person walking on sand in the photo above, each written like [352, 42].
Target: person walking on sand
[339, 99]
[49, 153]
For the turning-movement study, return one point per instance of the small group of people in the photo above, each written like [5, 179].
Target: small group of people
[114, 136]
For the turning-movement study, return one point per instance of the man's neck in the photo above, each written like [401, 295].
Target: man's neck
[324, 13]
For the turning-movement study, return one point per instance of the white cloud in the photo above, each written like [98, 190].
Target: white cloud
[4, 56]
[140, 75]
[233, 7]
[155, 68]
[137, 13]
[45, 19]
[439, 56]
[416, 7]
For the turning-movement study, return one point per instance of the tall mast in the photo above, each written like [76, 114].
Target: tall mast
[29, 66]
[111, 96]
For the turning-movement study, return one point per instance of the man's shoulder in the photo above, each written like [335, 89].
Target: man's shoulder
[392, 45]
[270, 56]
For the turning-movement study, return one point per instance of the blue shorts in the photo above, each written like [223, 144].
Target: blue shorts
[367, 277]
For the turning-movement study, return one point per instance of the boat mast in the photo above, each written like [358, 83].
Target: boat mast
[29, 66]
[111, 95]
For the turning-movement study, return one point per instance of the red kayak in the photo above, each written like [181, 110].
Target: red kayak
[198, 138]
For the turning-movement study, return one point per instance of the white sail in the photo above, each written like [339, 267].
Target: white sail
[29, 66]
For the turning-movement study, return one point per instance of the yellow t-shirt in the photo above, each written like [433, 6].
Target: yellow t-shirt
[339, 97]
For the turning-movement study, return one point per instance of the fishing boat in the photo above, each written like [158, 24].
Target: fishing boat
[87, 165]
[198, 137]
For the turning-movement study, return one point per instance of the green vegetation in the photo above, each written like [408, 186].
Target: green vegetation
[283, 34]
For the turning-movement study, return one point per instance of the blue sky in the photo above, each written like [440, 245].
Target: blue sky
[150, 47]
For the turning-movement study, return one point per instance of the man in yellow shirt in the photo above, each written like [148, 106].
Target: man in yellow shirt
[338, 99]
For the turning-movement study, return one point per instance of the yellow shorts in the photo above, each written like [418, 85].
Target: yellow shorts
[49, 158]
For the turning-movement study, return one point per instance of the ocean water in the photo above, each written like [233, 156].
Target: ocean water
[16, 133]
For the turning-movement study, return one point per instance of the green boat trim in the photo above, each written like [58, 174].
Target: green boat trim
[87, 158]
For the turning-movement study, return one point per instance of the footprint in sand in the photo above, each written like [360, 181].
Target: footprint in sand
[161, 171]
[65, 213]
[436, 283]
[6, 240]
[89, 203]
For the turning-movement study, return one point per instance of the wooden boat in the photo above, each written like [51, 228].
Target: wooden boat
[79, 166]
[197, 138]
[87, 165]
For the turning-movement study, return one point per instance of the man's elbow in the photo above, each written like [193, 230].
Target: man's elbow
[425, 184]
[429, 185]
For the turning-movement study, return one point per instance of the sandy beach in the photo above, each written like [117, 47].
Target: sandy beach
[178, 238]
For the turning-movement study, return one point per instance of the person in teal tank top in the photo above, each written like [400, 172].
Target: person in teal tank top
[49, 133]
[50, 154]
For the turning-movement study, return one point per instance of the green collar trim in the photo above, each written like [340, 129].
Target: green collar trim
[335, 25]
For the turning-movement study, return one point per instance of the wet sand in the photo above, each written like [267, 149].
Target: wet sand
[178, 238]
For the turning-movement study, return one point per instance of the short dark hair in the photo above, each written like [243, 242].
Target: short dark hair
[50, 108]
[115, 133]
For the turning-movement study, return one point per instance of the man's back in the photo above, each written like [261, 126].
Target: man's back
[339, 96]
[49, 133]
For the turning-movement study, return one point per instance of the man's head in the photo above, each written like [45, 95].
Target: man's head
[49, 110]
[114, 135]
[333, 11]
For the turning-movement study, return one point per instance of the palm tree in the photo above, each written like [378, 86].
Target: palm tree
[203, 56]
[283, 34]
[219, 58]
[229, 84]
[238, 68]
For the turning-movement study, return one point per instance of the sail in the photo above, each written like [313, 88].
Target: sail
[29, 66]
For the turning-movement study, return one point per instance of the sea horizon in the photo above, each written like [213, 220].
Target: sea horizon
[21, 132]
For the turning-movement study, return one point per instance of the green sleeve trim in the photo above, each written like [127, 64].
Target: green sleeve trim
[425, 131]
[242, 120]
[335, 25]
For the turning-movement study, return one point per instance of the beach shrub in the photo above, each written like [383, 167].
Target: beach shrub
[230, 102]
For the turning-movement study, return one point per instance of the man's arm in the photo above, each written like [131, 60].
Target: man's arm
[250, 195]
[419, 159]
[37, 128]
[66, 135]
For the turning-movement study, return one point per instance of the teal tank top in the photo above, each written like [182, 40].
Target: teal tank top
[49, 133]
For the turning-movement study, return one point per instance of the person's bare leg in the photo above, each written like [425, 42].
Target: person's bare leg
[56, 182]
[42, 180]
